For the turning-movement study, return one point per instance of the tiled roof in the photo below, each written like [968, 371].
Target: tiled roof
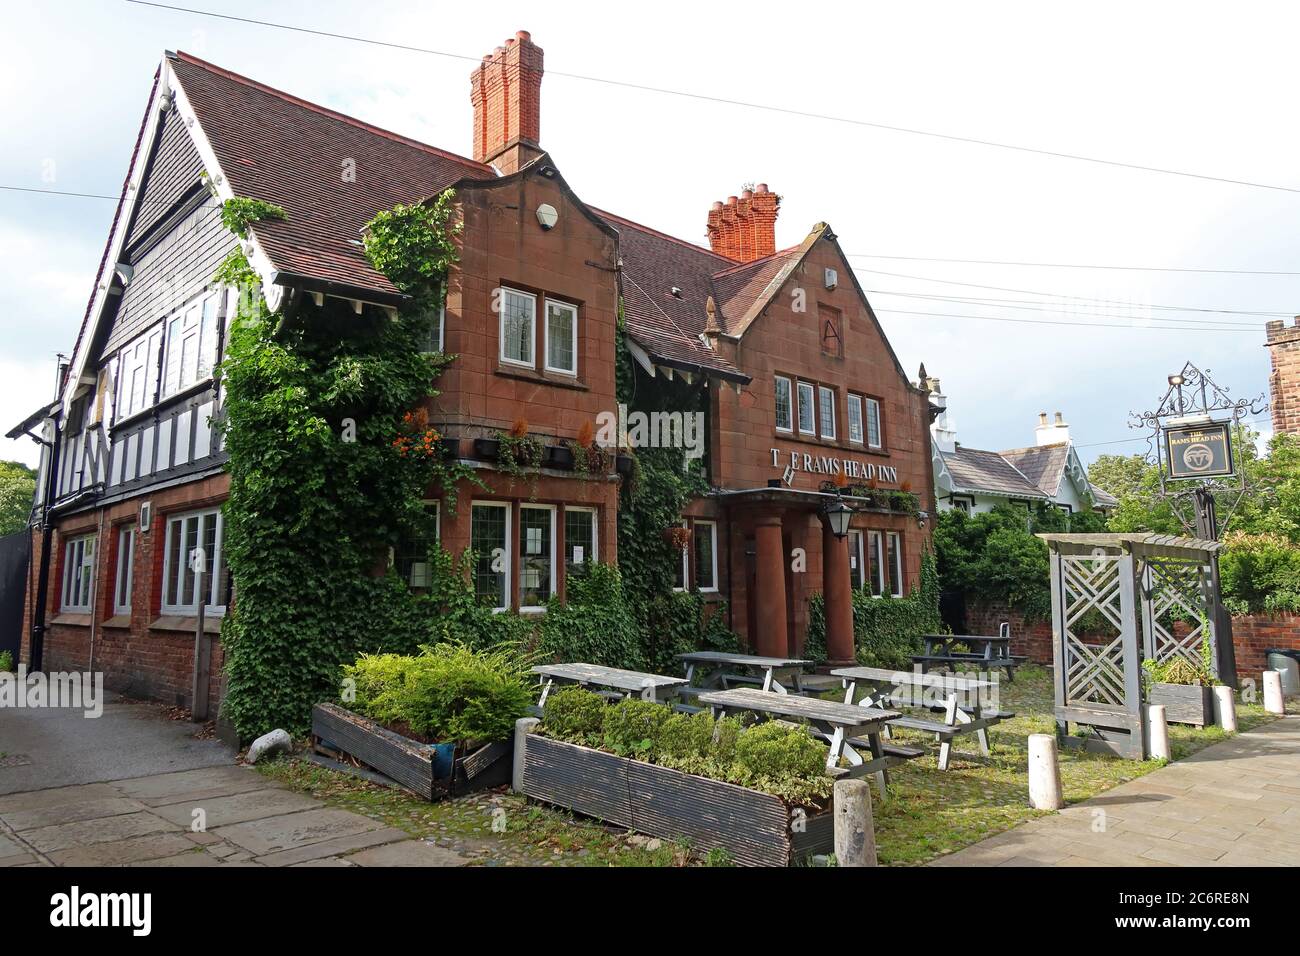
[975, 470]
[278, 148]
[668, 325]
[1102, 497]
[284, 150]
[740, 287]
[1044, 465]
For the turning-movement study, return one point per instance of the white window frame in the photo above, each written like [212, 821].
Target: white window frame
[191, 609]
[506, 547]
[789, 400]
[825, 400]
[963, 504]
[713, 552]
[138, 361]
[595, 534]
[125, 576]
[873, 403]
[686, 561]
[506, 292]
[203, 347]
[854, 420]
[546, 358]
[896, 565]
[857, 552]
[441, 313]
[78, 574]
[519, 597]
[875, 543]
[812, 407]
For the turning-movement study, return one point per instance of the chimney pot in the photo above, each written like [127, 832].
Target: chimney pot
[718, 205]
[731, 200]
[1058, 419]
[747, 194]
[1042, 418]
[761, 188]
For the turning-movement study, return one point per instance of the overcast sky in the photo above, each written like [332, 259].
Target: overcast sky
[1204, 88]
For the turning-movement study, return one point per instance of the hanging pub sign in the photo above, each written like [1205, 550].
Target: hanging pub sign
[1199, 451]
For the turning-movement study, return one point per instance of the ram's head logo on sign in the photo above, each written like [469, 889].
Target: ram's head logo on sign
[1199, 451]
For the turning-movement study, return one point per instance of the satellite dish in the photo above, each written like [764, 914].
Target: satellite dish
[547, 216]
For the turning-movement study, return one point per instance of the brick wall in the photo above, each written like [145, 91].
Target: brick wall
[1284, 380]
[1252, 634]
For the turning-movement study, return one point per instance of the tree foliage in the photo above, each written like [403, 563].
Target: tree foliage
[17, 491]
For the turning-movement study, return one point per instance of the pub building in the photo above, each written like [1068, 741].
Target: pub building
[807, 405]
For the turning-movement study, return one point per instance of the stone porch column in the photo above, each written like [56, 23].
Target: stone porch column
[837, 587]
[770, 620]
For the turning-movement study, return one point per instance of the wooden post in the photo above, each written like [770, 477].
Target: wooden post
[1044, 773]
[855, 834]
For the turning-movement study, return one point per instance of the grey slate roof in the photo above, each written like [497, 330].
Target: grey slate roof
[1043, 465]
[973, 469]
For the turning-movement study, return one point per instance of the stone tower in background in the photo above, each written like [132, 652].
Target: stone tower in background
[1284, 380]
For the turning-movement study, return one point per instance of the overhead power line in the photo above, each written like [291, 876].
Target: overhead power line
[728, 101]
[1084, 325]
[1247, 324]
[1073, 265]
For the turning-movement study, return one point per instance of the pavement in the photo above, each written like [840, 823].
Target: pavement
[1235, 803]
[134, 788]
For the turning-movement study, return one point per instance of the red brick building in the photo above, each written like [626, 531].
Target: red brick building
[802, 389]
[1284, 377]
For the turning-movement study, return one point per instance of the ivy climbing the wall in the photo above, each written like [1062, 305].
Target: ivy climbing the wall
[886, 630]
[329, 460]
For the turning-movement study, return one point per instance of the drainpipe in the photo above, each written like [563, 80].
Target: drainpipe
[94, 592]
[37, 649]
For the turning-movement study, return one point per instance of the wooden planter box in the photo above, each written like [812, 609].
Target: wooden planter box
[1184, 703]
[335, 730]
[754, 828]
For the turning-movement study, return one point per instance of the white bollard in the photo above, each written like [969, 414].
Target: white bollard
[1158, 732]
[1225, 708]
[523, 727]
[1044, 773]
[855, 834]
[1274, 702]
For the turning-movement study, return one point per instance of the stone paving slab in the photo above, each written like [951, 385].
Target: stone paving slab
[88, 832]
[154, 846]
[338, 845]
[71, 812]
[407, 853]
[293, 830]
[1235, 803]
[205, 784]
[238, 808]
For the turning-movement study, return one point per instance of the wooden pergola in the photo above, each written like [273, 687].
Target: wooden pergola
[1136, 586]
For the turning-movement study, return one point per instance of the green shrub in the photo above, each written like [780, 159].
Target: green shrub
[6, 661]
[632, 727]
[686, 742]
[449, 692]
[574, 714]
[784, 761]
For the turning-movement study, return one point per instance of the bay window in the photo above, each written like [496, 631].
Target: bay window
[137, 379]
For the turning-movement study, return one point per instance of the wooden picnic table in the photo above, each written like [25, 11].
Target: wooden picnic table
[986, 649]
[619, 682]
[960, 696]
[723, 669]
[844, 726]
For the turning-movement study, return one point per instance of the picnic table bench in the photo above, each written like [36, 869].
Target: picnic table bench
[721, 670]
[845, 727]
[960, 696]
[613, 681]
[985, 650]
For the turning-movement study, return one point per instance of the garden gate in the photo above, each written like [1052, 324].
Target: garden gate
[1116, 599]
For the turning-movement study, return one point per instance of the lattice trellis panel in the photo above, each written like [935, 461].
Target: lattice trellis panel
[1175, 589]
[1094, 673]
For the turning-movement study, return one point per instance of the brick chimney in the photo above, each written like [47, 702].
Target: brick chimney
[1284, 378]
[744, 227]
[506, 90]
